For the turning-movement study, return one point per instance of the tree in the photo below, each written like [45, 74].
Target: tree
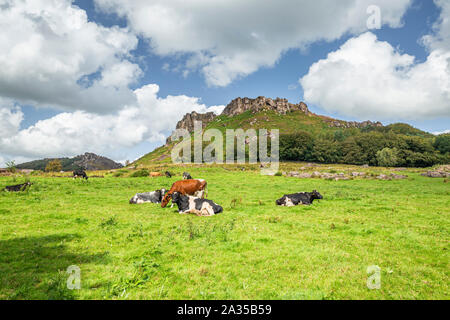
[297, 146]
[442, 143]
[388, 157]
[326, 151]
[11, 166]
[352, 152]
[53, 166]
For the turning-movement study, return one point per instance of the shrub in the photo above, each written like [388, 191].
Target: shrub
[11, 166]
[442, 143]
[53, 166]
[388, 157]
[140, 173]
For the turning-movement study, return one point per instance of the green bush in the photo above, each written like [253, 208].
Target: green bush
[442, 143]
[388, 157]
[140, 173]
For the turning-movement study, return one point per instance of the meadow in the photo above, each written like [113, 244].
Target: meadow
[253, 250]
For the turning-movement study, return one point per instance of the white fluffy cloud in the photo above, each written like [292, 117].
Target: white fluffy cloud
[150, 119]
[10, 118]
[228, 39]
[369, 78]
[51, 55]
[441, 38]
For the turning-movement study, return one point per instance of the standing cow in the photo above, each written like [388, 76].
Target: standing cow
[193, 187]
[80, 173]
[187, 176]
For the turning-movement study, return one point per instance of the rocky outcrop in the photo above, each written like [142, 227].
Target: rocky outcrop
[281, 106]
[440, 172]
[351, 124]
[341, 175]
[188, 120]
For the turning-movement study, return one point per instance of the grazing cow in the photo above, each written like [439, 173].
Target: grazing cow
[148, 197]
[155, 174]
[18, 187]
[200, 207]
[168, 174]
[305, 198]
[193, 187]
[186, 176]
[80, 173]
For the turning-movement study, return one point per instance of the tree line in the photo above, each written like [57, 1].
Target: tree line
[375, 148]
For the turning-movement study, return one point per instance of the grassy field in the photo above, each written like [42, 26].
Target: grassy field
[253, 250]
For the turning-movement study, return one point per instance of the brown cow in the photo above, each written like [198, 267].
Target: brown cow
[155, 174]
[186, 187]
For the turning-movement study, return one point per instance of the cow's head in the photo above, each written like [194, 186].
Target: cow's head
[165, 200]
[175, 197]
[280, 201]
[316, 195]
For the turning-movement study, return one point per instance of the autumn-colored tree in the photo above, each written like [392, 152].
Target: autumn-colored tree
[53, 166]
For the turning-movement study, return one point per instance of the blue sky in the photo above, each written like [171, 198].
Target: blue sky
[157, 59]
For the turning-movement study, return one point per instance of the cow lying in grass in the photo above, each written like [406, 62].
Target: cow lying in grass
[148, 197]
[155, 174]
[18, 187]
[193, 187]
[200, 207]
[295, 199]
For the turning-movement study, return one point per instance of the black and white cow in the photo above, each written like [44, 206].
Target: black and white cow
[186, 176]
[80, 173]
[18, 187]
[148, 197]
[198, 206]
[306, 198]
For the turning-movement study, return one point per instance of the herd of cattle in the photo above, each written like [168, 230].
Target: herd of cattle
[189, 195]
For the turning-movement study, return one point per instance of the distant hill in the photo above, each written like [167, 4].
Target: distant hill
[87, 161]
[267, 113]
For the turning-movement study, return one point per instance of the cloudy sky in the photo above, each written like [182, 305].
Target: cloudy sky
[113, 77]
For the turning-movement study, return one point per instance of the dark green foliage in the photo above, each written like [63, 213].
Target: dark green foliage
[373, 147]
[297, 146]
[442, 143]
[326, 151]
[140, 173]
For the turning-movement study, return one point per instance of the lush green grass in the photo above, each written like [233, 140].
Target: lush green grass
[254, 250]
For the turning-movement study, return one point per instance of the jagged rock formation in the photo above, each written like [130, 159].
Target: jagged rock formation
[188, 120]
[281, 106]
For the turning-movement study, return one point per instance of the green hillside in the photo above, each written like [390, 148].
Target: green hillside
[87, 161]
[311, 137]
